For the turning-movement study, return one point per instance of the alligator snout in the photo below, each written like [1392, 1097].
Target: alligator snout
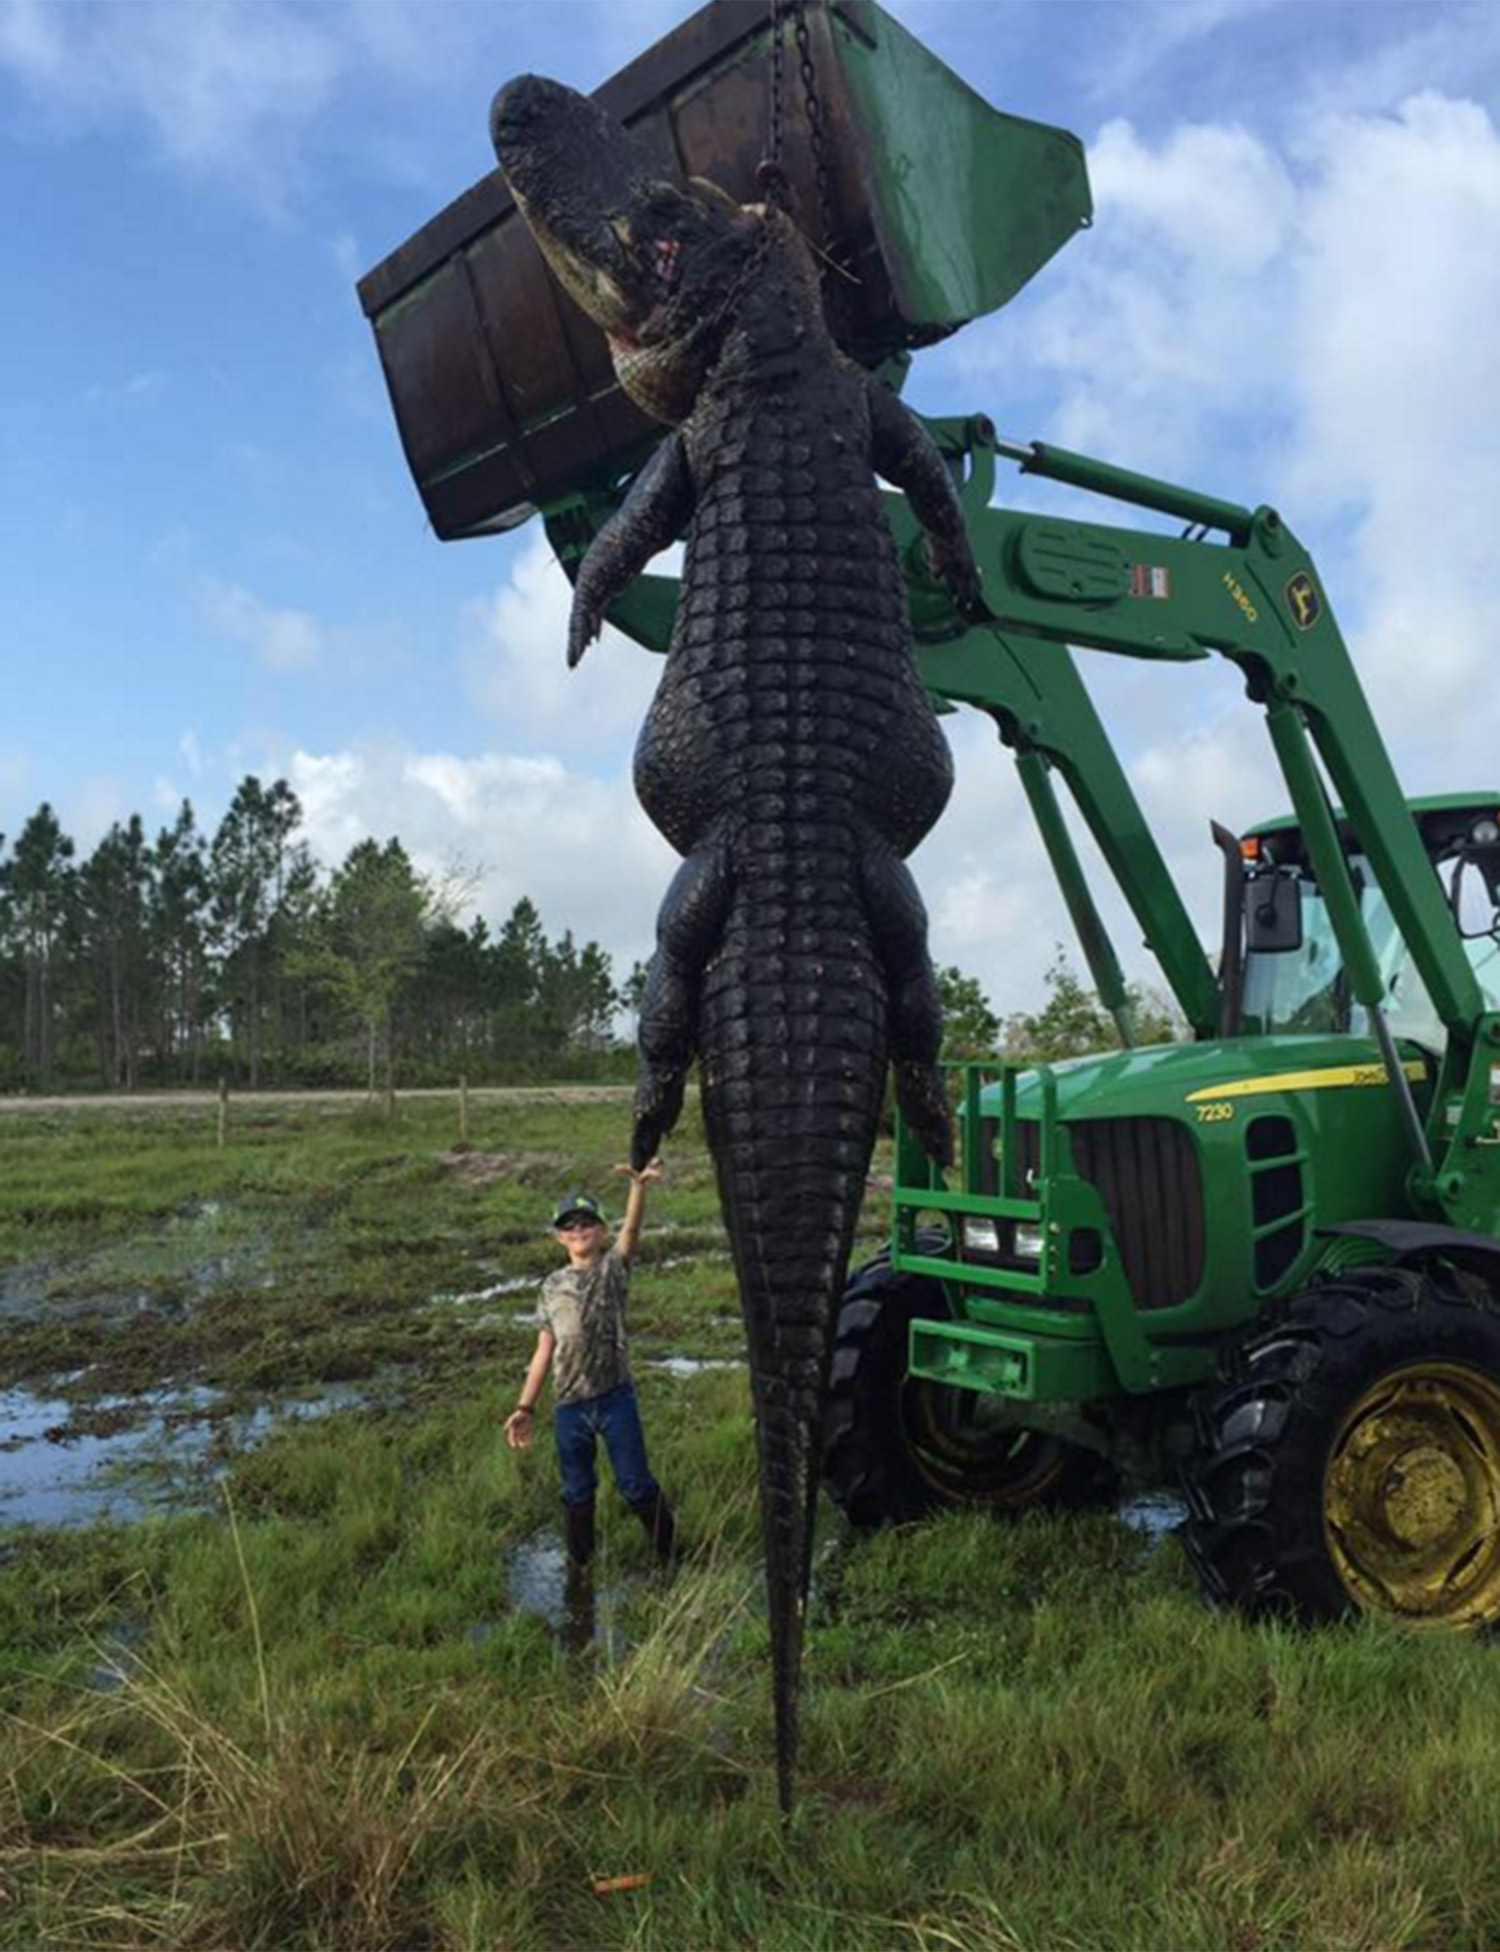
[577, 176]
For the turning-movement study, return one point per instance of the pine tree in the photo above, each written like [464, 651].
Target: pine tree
[36, 896]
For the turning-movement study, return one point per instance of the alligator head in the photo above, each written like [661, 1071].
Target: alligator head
[655, 261]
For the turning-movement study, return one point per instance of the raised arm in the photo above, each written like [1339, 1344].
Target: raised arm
[635, 1207]
[659, 502]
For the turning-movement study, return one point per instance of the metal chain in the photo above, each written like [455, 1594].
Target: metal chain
[816, 127]
[770, 175]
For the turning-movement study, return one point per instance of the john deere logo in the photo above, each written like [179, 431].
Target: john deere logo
[1303, 601]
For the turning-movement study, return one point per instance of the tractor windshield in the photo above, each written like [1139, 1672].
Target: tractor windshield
[1306, 989]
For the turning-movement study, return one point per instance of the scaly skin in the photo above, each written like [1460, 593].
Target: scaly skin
[791, 754]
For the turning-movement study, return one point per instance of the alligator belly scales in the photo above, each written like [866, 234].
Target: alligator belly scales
[791, 754]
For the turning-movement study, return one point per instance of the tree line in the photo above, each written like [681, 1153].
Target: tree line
[195, 956]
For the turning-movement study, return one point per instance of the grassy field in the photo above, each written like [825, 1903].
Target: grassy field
[306, 1702]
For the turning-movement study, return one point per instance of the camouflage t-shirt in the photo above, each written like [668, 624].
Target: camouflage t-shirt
[585, 1310]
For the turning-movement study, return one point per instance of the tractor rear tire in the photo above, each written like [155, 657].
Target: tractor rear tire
[1348, 1459]
[897, 1448]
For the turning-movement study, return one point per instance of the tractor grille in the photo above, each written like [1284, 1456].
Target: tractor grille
[1276, 1198]
[1147, 1174]
[1148, 1178]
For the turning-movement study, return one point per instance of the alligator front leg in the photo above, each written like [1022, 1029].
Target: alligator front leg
[652, 515]
[907, 456]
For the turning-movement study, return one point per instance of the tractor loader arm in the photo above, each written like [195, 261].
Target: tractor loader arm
[1250, 593]
[1236, 584]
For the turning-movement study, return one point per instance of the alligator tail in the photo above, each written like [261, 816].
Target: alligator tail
[792, 1041]
[795, 983]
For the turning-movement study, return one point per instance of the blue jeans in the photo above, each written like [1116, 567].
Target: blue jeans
[614, 1417]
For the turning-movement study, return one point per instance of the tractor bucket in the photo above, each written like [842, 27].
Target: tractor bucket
[938, 207]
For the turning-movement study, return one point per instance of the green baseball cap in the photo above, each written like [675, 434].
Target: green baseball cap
[578, 1203]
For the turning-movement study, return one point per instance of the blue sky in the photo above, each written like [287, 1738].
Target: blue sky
[215, 561]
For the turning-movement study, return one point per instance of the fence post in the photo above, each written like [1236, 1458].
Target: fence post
[463, 1109]
[223, 1110]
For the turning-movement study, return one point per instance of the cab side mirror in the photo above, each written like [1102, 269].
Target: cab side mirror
[1273, 913]
[1474, 893]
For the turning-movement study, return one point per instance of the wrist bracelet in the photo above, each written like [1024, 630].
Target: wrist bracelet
[524, 1409]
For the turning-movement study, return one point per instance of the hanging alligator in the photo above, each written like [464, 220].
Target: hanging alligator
[791, 754]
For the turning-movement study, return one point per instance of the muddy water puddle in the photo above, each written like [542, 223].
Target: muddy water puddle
[163, 1270]
[510, 1284]
[583, 1614]
[688, 1366]
[1158, 1513]
[120, 1459]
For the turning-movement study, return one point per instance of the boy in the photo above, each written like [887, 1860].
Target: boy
[582, 1340]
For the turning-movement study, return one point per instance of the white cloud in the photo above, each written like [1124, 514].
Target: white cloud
[583, 851]
[1455, 48]
[1397, 378]
[215, 82]
[1153, 32]
[148, 385]
[282, 640]
[515, 662]
[580, 848]
[995, 907]
[1309, 327]
[230, 88]
[1153, 326]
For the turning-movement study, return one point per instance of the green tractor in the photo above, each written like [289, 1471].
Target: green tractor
[1265, 1260]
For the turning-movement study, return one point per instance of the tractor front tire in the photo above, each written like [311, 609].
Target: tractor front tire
[1348, 1459]
[897, 1448]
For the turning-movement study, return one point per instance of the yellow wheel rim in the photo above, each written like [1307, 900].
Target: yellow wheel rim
[1411, 1496]
[965, 1456]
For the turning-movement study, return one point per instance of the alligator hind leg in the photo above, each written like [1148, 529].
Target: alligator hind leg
[898, 922]
[687, 931]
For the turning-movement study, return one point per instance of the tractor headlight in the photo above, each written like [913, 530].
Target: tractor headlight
[1026, 1242]
[1018, 1242]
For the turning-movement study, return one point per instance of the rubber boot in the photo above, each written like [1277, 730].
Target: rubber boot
[578, 1587]
[656, 1515]
[578, 1533]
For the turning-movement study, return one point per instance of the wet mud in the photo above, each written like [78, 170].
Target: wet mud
[119, 1459]
[583, 1613]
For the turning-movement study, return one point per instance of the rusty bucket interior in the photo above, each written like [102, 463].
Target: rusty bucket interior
[938, 207]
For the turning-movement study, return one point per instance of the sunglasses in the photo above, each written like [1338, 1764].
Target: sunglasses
[579, 1223]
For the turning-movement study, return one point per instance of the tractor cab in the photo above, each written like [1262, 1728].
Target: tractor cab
[1294, 975]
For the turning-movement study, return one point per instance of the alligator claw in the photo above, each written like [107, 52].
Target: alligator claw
[583, 628]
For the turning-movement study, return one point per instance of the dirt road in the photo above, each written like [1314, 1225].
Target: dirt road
[19, 1104]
